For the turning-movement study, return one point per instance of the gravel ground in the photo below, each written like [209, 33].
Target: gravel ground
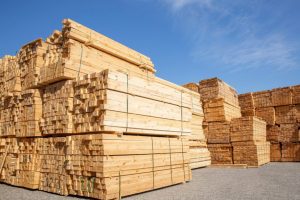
[272, 181]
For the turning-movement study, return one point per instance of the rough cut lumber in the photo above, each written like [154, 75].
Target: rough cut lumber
[290, 152]
[192, 86]
[296, 94]
[267, 114]
[246, 103]
[287, 114]
[273, 133]
[262, 99]
[10, 84]
[78, 50]
[289, 132]
[215, 88]
[58, 108]
[221, 153]
[282, 96]
[248, 129]
[218, 110]
[10, 111]
[125, 168]
[251, 153]
[275, 155]
[30, 59]
[199, 157]
[30, 113]
[218, 132]
[92, 38]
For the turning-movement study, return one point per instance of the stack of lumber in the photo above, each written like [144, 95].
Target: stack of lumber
[220, 102]
[9, 76]
[108, 166]
[9, 115]
[82, 114]
[31, 59]
[280, 108]
[29, 165]
[58, 108]
[30, 113]
[198, 152]
[20, 162]
[248, 136]
[53, 162]
[9, 161]
[119, 102]
[78, 50]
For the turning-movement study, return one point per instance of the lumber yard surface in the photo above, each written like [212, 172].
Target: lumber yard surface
[270, 181]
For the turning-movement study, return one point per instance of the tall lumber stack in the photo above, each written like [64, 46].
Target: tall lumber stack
[199, 154]
[220, 102]
[82, 114]
[280, 108]
[248, 137]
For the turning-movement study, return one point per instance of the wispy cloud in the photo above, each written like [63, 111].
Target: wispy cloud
[177, 5]
[233, 34]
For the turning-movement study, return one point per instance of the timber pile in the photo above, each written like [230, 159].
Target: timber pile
[58, 107]
[198, 152]
[77, 50]
[30, 113]
[248, 136]
[9, 77]
[82, 114]
[220, 102]
[53, 162]
[118, 102]
[9, 115]
[109, 166]
[280, 108]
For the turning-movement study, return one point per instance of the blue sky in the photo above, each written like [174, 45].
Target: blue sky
[251, 44]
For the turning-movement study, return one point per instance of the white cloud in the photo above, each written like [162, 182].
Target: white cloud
[177, 5]
[233, 34]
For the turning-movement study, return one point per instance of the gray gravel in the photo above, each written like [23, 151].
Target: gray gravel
[271, 181]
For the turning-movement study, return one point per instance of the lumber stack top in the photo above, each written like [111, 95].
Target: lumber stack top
[215, 88]
[92, 38]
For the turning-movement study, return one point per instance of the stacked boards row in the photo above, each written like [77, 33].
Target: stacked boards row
[280, 108]
[102, 166]
[220, 103]
[231, 139]
[111, 101]
[67, 54]
[199, 153]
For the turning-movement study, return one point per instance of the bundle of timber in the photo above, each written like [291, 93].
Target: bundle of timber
[31, 59]
[58, 108]
[53, 162]
[30, 113]
[280, 108]
[9, 161]
[120, 102]
[78, 50]
[248, 129]
[198, 152]
[10, 84]
[9, 115]
[19, 162]
[221, 153]
[108, 166]
[248, 136]
[214, 88]
[251, 153]
[218, 110]
[246, 103]
[29, 164]
[220, 102]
